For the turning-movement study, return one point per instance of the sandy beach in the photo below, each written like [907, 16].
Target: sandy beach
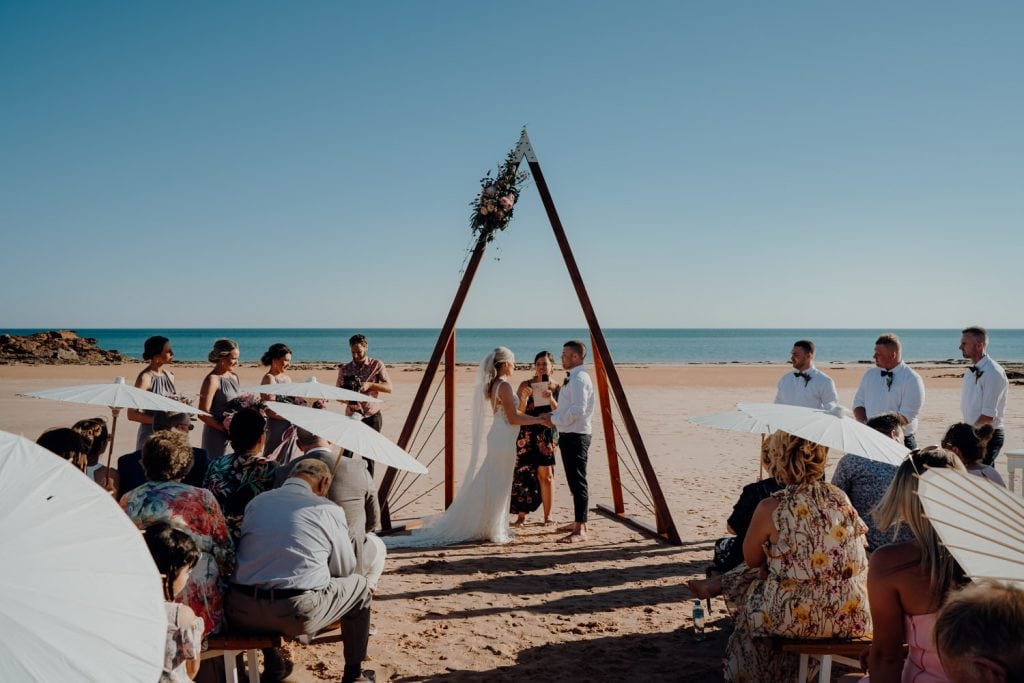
[614, 608]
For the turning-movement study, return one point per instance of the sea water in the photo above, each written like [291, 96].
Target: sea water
[646, 346]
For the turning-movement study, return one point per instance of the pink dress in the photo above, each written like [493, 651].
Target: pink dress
[922, 665]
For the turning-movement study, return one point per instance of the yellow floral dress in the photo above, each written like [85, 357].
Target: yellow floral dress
[816, 585]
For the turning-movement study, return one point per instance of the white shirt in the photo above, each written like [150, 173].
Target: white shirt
[905, 394]
[817, 390]
[984, 393]
[575, 404]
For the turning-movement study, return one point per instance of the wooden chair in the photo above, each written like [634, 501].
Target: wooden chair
[843, 650]
[230, 646]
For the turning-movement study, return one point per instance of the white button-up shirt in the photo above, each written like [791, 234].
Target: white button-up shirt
[984, 392]
[575, 404]
[817, 390]
[905, 395]
[293, 538]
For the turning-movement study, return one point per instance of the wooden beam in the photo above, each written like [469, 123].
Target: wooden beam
[662, 513]
[611, 445]
[428, 376]
[449, 421]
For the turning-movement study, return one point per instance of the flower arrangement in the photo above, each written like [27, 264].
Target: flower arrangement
[299, 401]
[492, 208]
[182, 398]
[253, 401]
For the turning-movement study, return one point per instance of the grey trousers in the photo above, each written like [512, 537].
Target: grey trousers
[346, 598]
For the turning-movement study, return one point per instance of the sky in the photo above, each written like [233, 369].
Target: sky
[311, 164]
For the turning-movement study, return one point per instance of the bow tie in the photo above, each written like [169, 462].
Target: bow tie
[566, 382]
[803, 375]
[975, 369]
[886, 373]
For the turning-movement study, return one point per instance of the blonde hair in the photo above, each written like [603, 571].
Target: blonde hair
[502, 354]
[793, 460]
[221, 348]
[900, 505]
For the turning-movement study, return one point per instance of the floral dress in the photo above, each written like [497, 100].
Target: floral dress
[235, 480]
[196, 512]
[535, 447]
[183, 644]
[816, 585]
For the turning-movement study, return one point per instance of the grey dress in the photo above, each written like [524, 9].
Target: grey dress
[162, 384]
[276, 429]
[214, 441]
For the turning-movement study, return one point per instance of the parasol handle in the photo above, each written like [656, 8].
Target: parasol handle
[113, 432]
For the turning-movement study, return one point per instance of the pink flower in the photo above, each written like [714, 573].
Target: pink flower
[507, 201]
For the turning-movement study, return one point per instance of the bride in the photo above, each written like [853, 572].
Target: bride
[481, 507]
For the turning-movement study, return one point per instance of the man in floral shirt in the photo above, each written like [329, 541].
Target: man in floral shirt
[373, 380]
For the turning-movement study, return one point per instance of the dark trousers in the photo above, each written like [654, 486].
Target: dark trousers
[995, 444]
[910, 441]
[374, 422]
[574, 449]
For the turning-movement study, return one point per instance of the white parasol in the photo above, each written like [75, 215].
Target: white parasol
[348, 433]
[115, 395]
[733, 421]
[309, 389]
[832, 428]
[80, 597]
[980, 522]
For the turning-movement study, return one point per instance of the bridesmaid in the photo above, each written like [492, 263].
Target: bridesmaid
[157, 350]
[219, 387]
[535, 447]
[278, 357]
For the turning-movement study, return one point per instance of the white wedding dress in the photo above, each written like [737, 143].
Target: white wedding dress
[480, 510]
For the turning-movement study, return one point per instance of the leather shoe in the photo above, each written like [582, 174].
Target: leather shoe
[365, 676]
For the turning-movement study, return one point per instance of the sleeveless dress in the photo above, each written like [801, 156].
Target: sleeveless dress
[275, 434]
[214, 441]
[922, 664]
[535, 447]
[163, 385]
[480, 509]
[182, 644]
[816, 585]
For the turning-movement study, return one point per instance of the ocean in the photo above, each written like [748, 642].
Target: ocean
[670, 346]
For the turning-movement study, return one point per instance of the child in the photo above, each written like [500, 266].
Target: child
[175, 554]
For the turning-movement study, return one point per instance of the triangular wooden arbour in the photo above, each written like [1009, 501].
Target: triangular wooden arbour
[607, 379]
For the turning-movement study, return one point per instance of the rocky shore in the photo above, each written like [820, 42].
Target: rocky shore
[56, 347]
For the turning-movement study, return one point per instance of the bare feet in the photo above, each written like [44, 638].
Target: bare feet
[520, 521]
[575, 537]
[705, 588]
[571, 526]
[548, 522]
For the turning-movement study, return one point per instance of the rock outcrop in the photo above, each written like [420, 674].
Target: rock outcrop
[56, 347]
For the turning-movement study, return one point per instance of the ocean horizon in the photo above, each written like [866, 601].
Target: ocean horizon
[627, 345]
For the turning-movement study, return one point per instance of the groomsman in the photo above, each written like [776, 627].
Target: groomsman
[892, 388]
[806, 386]
[984, 388]
[572, 418]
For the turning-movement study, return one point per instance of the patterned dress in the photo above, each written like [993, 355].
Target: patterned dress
[235, 480]
[196, 512]
[183, 644]
[535, 447]
[816, 585]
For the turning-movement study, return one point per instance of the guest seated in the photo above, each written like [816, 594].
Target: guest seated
[95, 432]
[805, 568]
[166, 457]
[907, 582]
[296, 567]
[352, 488]
[238, 477]
[729, 550]
[175, 555]
[978, 634]
[129, 466]
[970, 445]
[865, 481]
[68, 444]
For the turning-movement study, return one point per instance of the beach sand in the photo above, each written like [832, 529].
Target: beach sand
[614, 608]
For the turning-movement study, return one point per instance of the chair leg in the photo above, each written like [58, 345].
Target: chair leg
[826, 669]
[801, 677]
[230, 670]
[253, 666]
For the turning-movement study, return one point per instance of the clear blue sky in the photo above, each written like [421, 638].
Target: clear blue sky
[797, 164]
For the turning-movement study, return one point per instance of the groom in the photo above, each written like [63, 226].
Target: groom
[572, 418]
